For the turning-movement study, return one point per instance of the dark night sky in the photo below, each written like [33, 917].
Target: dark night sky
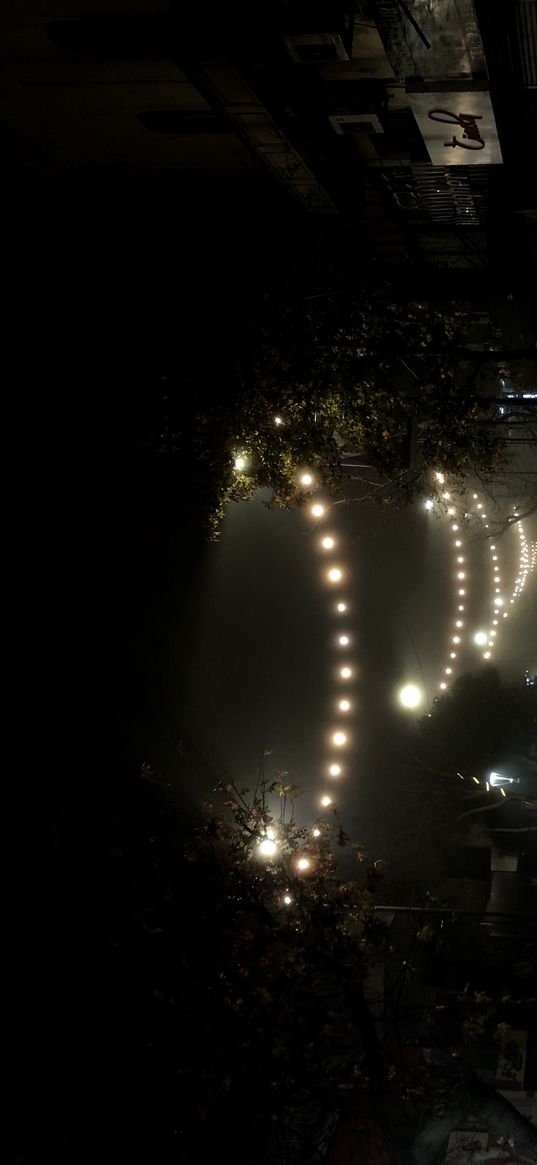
[253, 658]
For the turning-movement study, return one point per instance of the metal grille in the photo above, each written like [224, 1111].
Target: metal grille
[437, 194]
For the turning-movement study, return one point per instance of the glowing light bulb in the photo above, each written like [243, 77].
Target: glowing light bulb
[267, 847]
[448, 671]
[451, 511]
[287, 899]
[344, 705]
[453, 655]
[494, 557]
[498, 602]
[303, 864]
[440, 477]
[458, 542]
[454, 527]
[345, 673]
[479, 506]
[328, 544]
[443, 686]
[486, 655]
[410, 696]
[462, 591]
[316, 832]
[326, 801]
[306, 479]
[334, 575]
[278, 421]
[335, 770]
[339, 738]
[446, 495]
[456, 638]
[460, 574]
[343, 640]
[460, 558]
[459, 623]
[480, 638]
[240, 463]
[341, 607]
[460, 607]
[429, 504]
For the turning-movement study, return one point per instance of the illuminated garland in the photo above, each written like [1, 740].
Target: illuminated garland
[336, 576]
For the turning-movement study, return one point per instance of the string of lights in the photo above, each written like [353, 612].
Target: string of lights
[462, 518]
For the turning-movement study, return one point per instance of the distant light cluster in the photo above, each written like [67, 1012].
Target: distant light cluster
[472, 510]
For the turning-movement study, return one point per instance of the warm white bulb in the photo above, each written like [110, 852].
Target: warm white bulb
[344, 705]
[480, 638]
[458, 542]
[240, 463]
[443, 686]
[278, 421]
[317, 510]
[451, 511]
[334, 575]
[343, 640]
[335, 770]
[267, 847]
[306, 479]
[287, 899]
[345, 673]
[303, 864]
[429, 504]
[454, 527]
[341, 607]
[328, 543]
[326, 801]
[316, 832]
[339, 738]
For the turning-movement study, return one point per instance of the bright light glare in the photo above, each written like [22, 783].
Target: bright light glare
[480, 638]
[344, 705]
[287, 899]
[339, 738]
[451, 511]
[345, 673]
[334, 575]
[343, 639]
[440, 477]
[341, 607]
[316, 833]
[458, 542]
[278, 421]
[334, 770]
[429, 504]
[326, 801]
[410, 696]
[460, 574]
[443, 686]
[317, 510]
[267, 847]
[303, 864]
[328, 543]
[306, 479]
[240, 463]
[498, 602]
[486, 655]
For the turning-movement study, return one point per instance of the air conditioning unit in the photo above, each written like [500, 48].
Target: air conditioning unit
[311, 47]
[356, 123]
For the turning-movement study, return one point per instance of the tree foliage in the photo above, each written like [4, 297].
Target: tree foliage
[253, 1030]
[343, 378]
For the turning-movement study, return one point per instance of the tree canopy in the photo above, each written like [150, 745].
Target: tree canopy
[369, 386]
[274, 1014]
